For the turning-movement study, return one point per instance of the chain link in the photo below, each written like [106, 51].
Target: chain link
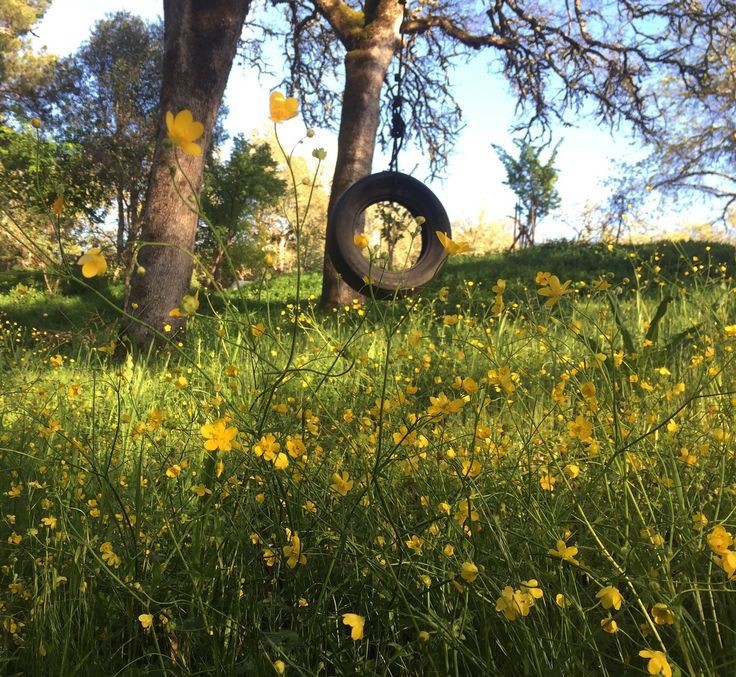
[398, 125]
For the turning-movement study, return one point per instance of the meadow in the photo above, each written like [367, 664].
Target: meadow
[505, 474]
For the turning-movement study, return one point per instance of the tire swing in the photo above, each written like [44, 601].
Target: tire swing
[345, 222]
[346, 219]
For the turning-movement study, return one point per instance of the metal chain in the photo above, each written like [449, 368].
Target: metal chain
[398, 126]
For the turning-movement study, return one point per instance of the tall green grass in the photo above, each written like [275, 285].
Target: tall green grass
[473, 441]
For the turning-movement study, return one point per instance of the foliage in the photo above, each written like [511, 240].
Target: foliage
[695, 152]
[533, 181]
[237, 194]
[35, 172]
[21, 71]
[107, 97]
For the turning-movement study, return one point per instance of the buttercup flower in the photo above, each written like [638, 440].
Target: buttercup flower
[469, 571]
[218, 436]
[662, 614]
[450, 246]
[341, 483]
[554, 290]
[282, 108]
[565, 553]
[356, 624]
[146, 620]
[183, 131]
[657, 664]
[93, 263]
[610, 596]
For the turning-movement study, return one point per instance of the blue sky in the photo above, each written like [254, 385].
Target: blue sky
[474, 177]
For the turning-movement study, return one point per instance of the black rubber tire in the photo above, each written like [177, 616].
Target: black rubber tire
[344, 220]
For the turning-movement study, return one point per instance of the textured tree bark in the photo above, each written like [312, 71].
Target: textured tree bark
[369, 54]
[200, 40]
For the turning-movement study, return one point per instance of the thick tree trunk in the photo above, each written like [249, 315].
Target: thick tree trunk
[366, 64]
[200, 40]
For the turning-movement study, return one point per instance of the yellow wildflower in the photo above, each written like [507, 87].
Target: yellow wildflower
[282, 108]
[93, 263]
[657, 664]
[183, 131]
[146, 620]
[554, 290]
[565, 553]
[218, 436]
[450, 246]
[356, 624]
[610, 596]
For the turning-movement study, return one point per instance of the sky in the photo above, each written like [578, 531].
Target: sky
[473, 182]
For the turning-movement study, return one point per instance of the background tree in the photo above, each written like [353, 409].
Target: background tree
[235, 196]
[533, 181]
[556, 56]
[21, 70]
[694, 154]
[107, 98]
[200, 41]
[38, 178]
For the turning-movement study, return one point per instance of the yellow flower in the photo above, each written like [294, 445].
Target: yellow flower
[93, 263]
[258, 329]
[293, 551]
[49, 522]
[662, 614]
[146, 620]
[183, 131]
[469, 571]
[450, 246]
[601, 284]
[415, 543]
[109, 556]
[610, 596]
[580, 428]
[700, 521]
[281, 462]
[442, 406]
[279, 666]
[341, 483]
[562, 601]
[554, 290]
[727, 562]
[201, 490]
[36, 122]
[174, 471]
[218, 436]
[360, 240]
[356, 623]
[190, 304]
[657, 664]
[609, 625]
[514, 603]
[267, 447]
[282, 108]
[719, 539]
[565, 553]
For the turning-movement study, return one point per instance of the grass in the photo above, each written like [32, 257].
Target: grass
[476, 484]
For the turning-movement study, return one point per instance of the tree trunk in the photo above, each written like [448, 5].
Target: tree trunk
[366, 64]
[120, 239]
[200, 40]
